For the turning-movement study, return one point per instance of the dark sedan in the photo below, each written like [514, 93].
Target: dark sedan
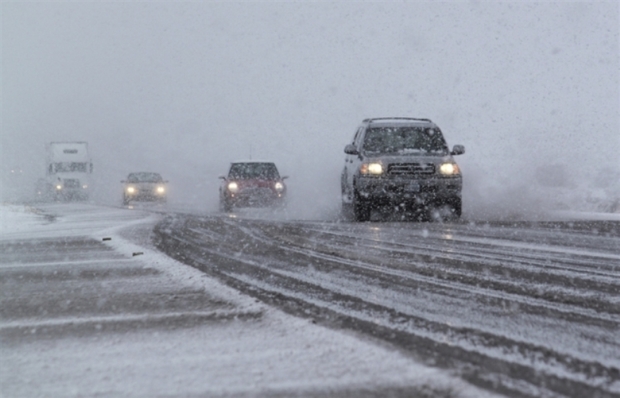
[252, 184]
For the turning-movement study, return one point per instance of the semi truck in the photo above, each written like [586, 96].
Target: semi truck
[68, 169]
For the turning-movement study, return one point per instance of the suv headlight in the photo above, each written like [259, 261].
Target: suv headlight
[371, 169]
[279, 186]
[161, 189]
[131, 189]
[449, 169]
[233, 187]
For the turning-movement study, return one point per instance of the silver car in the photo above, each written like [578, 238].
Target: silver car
[144, 186]
[401, 163]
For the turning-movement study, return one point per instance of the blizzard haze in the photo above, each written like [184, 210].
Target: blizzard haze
[531, 90]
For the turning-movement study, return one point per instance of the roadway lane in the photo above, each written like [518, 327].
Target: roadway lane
[525, 309]
[88, 307]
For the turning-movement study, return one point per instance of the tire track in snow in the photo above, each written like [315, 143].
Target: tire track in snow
[274, 269]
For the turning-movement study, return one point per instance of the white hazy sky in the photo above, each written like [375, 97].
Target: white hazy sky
[184, 88]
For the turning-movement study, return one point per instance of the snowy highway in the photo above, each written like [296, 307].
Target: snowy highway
[520, 308]
[179, 180]
[88, 307]
[107, 301]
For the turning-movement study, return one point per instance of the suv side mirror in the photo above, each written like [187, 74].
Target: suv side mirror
[351, 150]
[458, 150]
[221, 177]
[284, 177]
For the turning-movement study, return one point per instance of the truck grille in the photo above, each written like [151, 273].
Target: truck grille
[72, 183]
[411, 168]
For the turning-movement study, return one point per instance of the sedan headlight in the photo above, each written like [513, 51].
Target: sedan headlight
[449, 169]
[131, 189]
[161, 189]
[279, 186]
[233, 187]
[371, 169]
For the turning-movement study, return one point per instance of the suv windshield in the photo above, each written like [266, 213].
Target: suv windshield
[404, 141]
[144, 177]
[245, 171]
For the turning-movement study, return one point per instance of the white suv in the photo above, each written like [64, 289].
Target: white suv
[401, 163]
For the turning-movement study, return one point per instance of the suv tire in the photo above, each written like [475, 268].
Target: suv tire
[457, 205]
[225, 206]
[361, 209]
[450, 210]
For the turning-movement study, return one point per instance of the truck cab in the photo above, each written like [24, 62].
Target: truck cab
[68, 171]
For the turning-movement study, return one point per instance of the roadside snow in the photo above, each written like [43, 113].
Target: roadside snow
[15, 219]
[273, 354]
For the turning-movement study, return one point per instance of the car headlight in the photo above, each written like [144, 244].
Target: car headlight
[131, 189]
[233, 187]
[449, 169]
[161, 190]
[59, 187]
[84, 186]
[279, 186]
[371, 169]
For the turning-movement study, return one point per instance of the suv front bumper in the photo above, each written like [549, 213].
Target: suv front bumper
[395, 191]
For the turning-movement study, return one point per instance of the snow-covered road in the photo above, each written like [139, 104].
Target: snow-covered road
[524, 308]
[88, 307]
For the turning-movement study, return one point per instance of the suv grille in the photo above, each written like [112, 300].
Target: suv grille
[411, 168]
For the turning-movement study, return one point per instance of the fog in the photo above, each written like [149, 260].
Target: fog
[531, 89]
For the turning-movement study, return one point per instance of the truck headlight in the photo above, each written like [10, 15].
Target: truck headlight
[131, 189]
[233, 187]
[371, 169]
[449, 169]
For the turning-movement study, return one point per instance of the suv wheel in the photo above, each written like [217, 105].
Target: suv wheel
[346, 211]
[449, 210]
[225, 206]
[457, 206]
[361, 209]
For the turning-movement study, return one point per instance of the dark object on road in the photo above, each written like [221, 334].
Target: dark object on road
[144, 186]
[252, 184]
[401, 163]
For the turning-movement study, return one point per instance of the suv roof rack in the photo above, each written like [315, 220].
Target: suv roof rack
[396, 118]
